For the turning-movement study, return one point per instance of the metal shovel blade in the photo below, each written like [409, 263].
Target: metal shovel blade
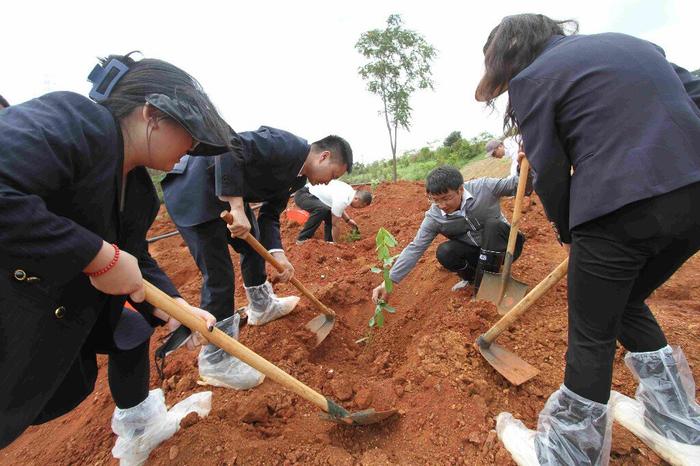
[490, 290]
[508, 364]
[321, 325]
[360, 418]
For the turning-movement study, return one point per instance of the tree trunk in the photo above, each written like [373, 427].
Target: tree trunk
[393, 149]
[392, 137]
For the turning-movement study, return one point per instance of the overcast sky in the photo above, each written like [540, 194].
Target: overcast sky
[292, 64]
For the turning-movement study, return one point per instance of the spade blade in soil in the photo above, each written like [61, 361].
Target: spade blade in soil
[490, 290]
[321, 326]
[508, 364]
[361, 418]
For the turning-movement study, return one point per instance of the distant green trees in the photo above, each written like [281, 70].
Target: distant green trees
[415, 165]
[453, 137]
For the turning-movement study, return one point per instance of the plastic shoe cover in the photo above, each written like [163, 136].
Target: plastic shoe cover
[629, 414]
[264, 306]
[570, 430]
[220, 369]
[142, 428]
[460, 285]
[573, 430]
[518, 439]
[667, 393]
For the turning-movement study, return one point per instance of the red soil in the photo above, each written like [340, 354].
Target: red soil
[422, 362]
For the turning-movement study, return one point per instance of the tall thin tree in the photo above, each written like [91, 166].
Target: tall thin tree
[398, 63]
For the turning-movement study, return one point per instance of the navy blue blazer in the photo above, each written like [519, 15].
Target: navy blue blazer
[265, 170]
[613, 108]
[61, 159]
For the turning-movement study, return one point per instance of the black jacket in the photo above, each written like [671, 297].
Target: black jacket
[613, 108]
[266, 170]
[61, 158]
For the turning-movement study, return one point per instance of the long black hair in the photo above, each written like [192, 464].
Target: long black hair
[152, 76]
[510, 48]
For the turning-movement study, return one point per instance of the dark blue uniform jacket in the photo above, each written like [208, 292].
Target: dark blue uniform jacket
[61, 159]
[613, 108]
[265, 170]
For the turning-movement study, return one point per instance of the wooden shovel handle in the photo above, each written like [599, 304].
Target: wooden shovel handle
[514, 224]
[517, 310]
[183, 315]
[517, 207]
[255, 244]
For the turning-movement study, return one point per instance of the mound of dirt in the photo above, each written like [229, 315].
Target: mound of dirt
[422, 362]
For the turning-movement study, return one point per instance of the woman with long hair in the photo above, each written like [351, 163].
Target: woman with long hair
[612, 132]
[76, 202]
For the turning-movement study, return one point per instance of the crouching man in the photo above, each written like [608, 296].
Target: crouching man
[469, 215]
[327, 203]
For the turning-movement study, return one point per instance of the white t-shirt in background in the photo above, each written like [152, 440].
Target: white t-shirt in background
[512, 148]
[336, 194]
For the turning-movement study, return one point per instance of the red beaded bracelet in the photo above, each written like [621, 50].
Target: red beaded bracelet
[109, 266]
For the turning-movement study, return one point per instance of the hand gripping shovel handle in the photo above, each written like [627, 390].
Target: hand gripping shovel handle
[174, 309]
[550, 280]
[255, 244]
[515, 222]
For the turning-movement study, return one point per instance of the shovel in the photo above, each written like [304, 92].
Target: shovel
[500, 288]
[333, 411]
[321, 325]
[509, 365]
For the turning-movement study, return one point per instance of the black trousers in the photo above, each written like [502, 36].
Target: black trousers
[462, 257]
[208, 243]
[616, 262]
[319, 212]
[128, 374]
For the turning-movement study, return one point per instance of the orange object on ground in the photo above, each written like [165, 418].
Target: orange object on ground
[297, 215]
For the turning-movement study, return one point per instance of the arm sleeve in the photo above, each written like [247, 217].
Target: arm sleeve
[409, 256]
[152, 272]
[535, 111]
[501, 187]
[44, 151]
[690, 82]
[228, 174]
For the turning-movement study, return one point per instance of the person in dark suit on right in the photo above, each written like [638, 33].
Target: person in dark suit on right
[627, 121]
